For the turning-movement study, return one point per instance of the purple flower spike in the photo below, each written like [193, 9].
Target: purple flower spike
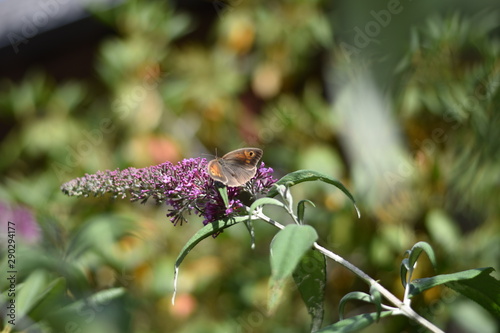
[185, 186]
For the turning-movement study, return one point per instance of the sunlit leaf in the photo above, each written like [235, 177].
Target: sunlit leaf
[301, 176]
[287, 249]
[476, 284]
[223, 193]
[417, 249]
[310, 278]
[263, 202]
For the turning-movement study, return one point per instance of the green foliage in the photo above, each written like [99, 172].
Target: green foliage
[287, 249]
[356, 323]
[300, 176]
[301, 209]
[482, 288]
[310, 278]
[208, 230]
[291, 252]
[409, 264]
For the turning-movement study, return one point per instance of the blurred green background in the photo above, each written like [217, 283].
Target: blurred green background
[398, 100]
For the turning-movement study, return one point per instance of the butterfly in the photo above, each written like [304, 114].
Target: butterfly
[235, 168]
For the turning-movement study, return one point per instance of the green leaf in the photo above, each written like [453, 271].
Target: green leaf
[310, 278]
[408, 264]
[206, 231]
[223, 193]
[301, 209]
[483, 289]
[80, 312]
[301, 176]
[287, 249]
[35, 298]
[284, 191]
[100, 298]
[476, 284]
[355, 295]
[417, 286]
[29, 292]
[355, 323]
[276, 288]
[50, 299]
[417, 249]
[376, 298]
[264, 201]
[200, 235]
[404, 270]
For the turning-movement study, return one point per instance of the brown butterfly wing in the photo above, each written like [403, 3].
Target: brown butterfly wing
[215, 170]
[239, 166]
[236, 174]
[244, 157]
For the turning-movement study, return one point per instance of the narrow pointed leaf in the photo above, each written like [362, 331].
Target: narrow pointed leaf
[417, 286]
[287, 249]
[310, 278]
[223, 193]
[301, 209]
[404, 271]
[301, 176]
[476, 284]
[417, 249]
[200, 235]
[206, 231]
[265, 201]
[356, 296]
[483, 289]
[377, 300]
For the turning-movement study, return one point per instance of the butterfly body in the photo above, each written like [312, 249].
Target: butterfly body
[235, 168]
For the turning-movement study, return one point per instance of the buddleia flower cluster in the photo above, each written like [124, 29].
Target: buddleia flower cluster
[185, 187]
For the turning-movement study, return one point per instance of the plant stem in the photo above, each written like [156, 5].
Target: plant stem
[408, 311]
[404, 308]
